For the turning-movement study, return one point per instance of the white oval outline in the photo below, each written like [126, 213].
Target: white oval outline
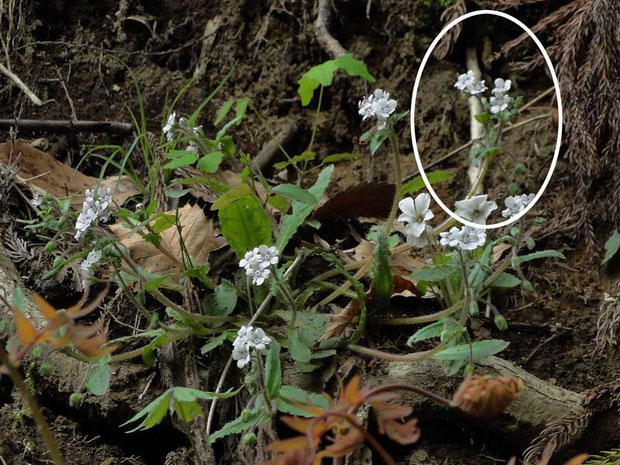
[559, 102]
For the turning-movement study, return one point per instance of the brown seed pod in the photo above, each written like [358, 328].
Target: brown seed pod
[485, 396]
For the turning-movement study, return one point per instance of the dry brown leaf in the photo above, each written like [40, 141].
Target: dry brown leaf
[339, 322]
[498, 251]
[199, 237]
[47, 175]
[402, 264]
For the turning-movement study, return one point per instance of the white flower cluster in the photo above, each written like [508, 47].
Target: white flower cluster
[466, 238]
[37, 200]
[516, 204]
[172, 124]
[468, 83]
[248, 338]
[378, 104]
[88, 265]
[95, 207]
[415, 215]
[499, 102]
[477, 209]
[257, 262]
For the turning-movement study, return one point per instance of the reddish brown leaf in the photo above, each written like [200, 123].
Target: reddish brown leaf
[26, 331]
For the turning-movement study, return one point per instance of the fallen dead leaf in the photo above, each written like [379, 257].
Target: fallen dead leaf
[498, 251]
[199, 237]
[45, 174]
[402, 264]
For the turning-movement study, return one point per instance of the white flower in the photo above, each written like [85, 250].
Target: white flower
[169, 125]
[95, 207]
[450, 238]
[248, 338]
[258, 339]
[501, 86]
[241, 353]
[88, 265]
[378, 105]
[257, 262]
[37, 200]
[467, 83]
[516, 204]
[477, 209]
[416, 213]
[466, 238]
[418, 241]
[269, 256]
[192, 147]
[499, 102]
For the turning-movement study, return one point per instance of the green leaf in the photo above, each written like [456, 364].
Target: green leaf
[354, 67]
[432, 274]
[231, 195]
[213, 343]
[612, 246]
[323, 73]
[273, 369]
[483, 118]
[294, 192]
[289, 395]
[516, 261]
[428, 332]
[99, 377]
[175, 193]
[210, 162]
[417, 183]
[298, 350]
[478, 350]
[305, 156]
[245, 225]
[222, 302]
[237, 425]
[154, 413]
[339, 157]
[19, 300]
[290, 223]
[184, 160]
[223, 111]
[164, 222]
[506, 280]
[279, 203]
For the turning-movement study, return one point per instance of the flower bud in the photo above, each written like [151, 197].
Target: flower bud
[486, 396]
[249, 439]
[50, 246]
[75, 399]
[501, 323]
[58, 261]
[513, 188]
[37, 352]
[247, 416]
[45, 369]
[520, 168]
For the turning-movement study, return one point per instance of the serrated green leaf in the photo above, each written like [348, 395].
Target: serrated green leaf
[298, 350]
[612, 246]
[237, 425]
[478, 350]
[506, 280]
[290, 223]
[231, 195]
[294, 192]
[184, 160]
[245, 225]
[154, 413]
[210, 162]
[273, 369]
[417, 183]
[99, 377]
[516, 261]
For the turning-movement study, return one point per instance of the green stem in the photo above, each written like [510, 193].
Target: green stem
[42, 425]
[397, 194]
[263, 385]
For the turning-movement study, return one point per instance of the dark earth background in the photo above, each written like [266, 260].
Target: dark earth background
[271, 44]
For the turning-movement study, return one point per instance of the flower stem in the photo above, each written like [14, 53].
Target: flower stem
[263, 385]
[396, 153]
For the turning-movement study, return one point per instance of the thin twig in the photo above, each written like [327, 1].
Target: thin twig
[19, 83]
[66, 126]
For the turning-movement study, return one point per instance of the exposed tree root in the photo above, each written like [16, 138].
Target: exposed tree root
[325, 39]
